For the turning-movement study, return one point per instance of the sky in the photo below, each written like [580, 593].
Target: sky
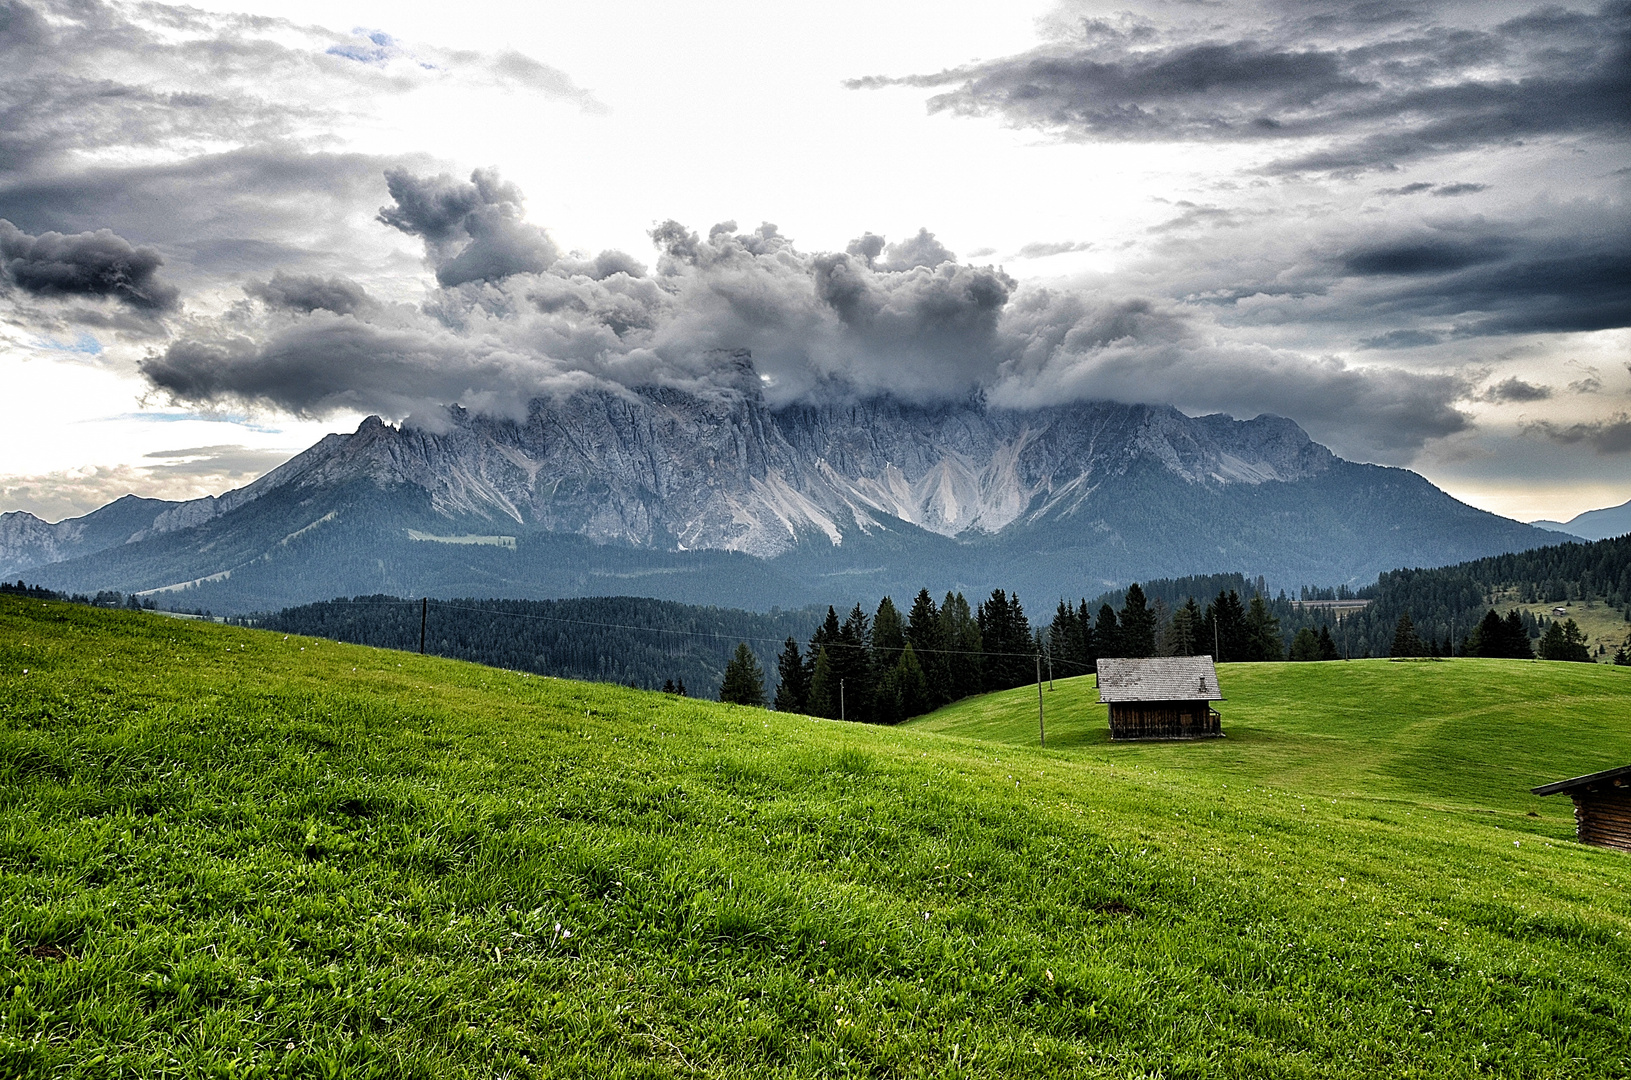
[229, 229]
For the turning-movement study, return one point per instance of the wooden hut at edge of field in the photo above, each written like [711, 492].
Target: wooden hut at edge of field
[1602, 806]
[1161, 697]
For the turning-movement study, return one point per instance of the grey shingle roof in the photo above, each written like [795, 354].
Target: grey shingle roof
[1159, 678]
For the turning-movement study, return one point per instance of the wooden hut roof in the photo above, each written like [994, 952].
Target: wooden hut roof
[1619, 778]
[1159, 678]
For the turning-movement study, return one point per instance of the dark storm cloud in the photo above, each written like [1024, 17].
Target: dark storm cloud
[309, 292]
[88, 264]
[472, 231]
[1366, 91]
[904, 319]
[1610, 436]
[1070, 346]
[1480, 279]
[1515, 389]
[236, 212]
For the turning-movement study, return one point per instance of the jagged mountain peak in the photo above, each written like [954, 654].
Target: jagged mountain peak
[672, 469]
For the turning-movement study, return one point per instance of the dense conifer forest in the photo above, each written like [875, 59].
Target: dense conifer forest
[886, 664]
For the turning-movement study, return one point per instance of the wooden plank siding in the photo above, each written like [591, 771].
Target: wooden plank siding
[1604, 819]
[1602, 806]
[1163, 720]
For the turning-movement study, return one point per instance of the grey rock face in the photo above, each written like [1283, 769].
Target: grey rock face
[681, 472]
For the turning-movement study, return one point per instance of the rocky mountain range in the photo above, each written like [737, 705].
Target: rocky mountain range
[725, 499]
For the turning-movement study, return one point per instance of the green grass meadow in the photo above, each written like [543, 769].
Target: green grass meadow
[225, 853]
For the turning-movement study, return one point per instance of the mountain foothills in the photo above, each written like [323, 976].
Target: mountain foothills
[722, 499]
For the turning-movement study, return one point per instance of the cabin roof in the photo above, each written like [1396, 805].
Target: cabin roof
[1159, 678]
[1614, 778]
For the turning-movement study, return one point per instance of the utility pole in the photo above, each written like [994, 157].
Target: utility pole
[840, 699]
[424, 610]
[1041, 728]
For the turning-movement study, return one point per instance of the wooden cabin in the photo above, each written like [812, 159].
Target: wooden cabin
[1602, 806]
[1161, 697]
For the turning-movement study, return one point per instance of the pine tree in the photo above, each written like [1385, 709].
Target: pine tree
[1089, 647]
[852, 663]
[1107, 634]
[1405, 641]
[1180, 636]
[823, 687]
[1263, 640]
[744, 682]
[1622, 655]
[1137, 624]
[793, 685]
[1006, 638]
[888, 635]
[1516, 637]
[1328, 648]
[1565, 641]
[1306, 645]
[910, 685]
[1488, 638]
[926, 634]
[965, 649]
[1223, 629]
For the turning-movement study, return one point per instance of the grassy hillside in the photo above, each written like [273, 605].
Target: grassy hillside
[223, 852]
[1467, 735]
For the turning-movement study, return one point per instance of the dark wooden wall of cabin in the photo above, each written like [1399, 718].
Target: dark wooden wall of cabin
[1603, 817]
[1162, 720]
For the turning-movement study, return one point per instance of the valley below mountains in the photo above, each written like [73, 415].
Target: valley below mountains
[723, 499]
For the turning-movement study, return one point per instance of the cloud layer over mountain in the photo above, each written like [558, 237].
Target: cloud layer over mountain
[169, 174]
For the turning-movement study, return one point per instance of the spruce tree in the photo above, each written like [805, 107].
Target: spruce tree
[1107, 634]
[1089, 649]
[823, 687]
[1328, 648]
[1489, 638]
[1405, 641]
[1565, 641]
[793, 686]
[744, 682]
[1516, 637]
[1263, 640]
[966, 650]
[927, 636]
[910, 685]
[1180, 636]
[852, 663]
[826, 634]
[888, 635]
[1306, 645]
[1137, 623]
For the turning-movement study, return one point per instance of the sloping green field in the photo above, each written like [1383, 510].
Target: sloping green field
[225, 853]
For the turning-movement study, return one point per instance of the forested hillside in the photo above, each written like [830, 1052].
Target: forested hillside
[621, 639]
[1444, 604]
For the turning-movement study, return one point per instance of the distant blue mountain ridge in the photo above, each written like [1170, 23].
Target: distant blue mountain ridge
[1594, 524]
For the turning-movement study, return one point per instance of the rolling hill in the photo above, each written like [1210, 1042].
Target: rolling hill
[228, 851]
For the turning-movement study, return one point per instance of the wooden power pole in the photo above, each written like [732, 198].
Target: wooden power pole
[1041, 728]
